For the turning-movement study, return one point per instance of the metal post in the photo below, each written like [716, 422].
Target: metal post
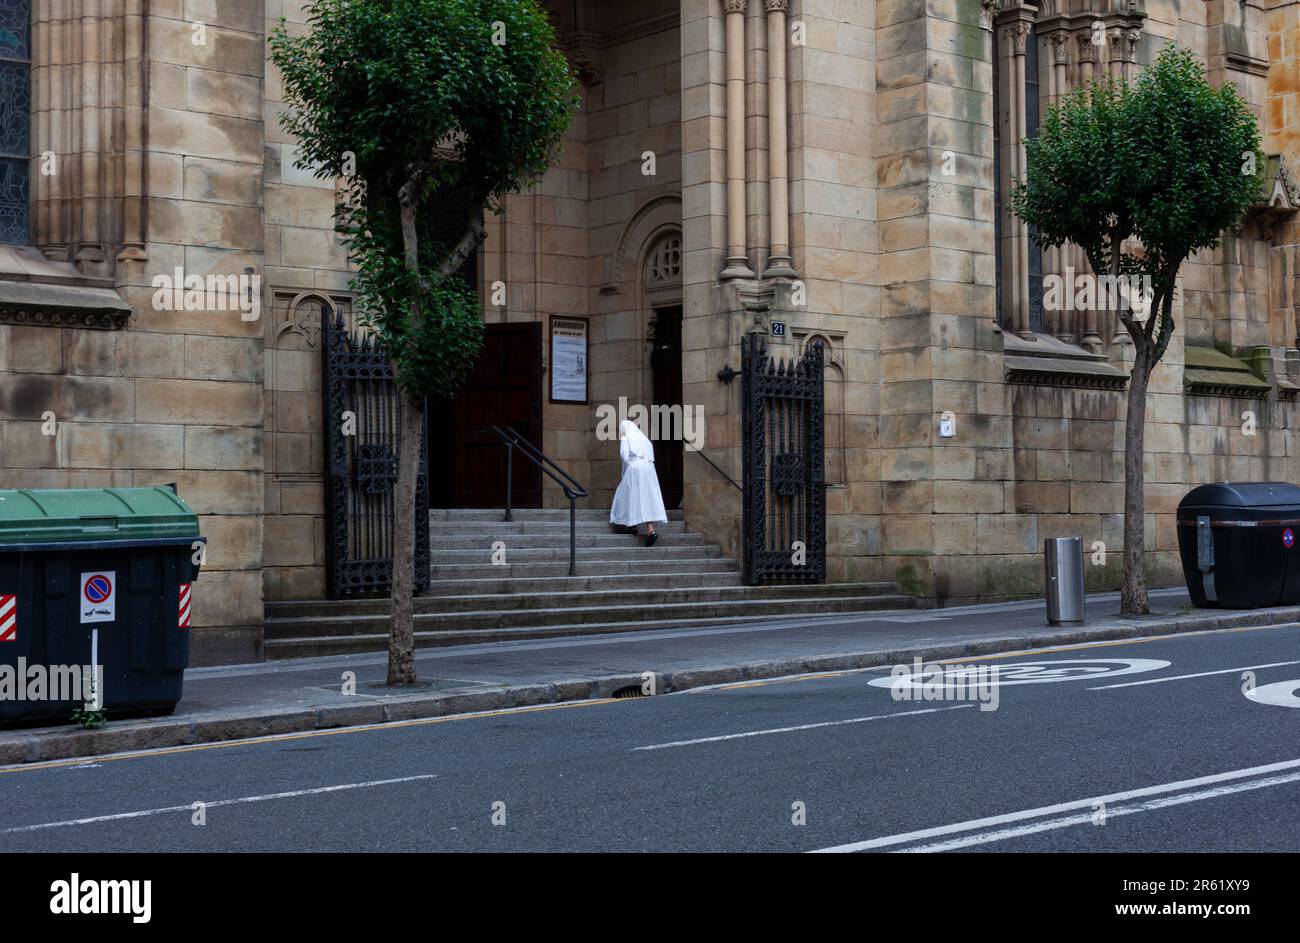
[1063, 558]
[573, 535]
[510, 474]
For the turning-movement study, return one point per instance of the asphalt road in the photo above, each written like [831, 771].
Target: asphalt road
[1133, 746]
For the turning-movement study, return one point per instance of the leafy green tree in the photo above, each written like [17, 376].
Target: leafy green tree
[1142, 177]
[419, 105]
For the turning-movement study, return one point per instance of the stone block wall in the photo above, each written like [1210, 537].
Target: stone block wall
[174, 396]
[307, 274]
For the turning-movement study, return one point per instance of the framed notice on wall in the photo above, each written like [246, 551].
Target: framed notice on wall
[568, 359]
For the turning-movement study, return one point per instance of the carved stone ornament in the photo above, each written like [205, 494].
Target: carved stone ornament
[733, 6]
[988, 9]
[1087, 48]
[1018, 34]
[1060, 46]
[1134, 36]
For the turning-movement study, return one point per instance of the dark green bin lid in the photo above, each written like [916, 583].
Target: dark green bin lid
[93, 515]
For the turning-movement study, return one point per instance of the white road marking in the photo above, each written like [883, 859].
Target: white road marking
[1150, 805]
[216, 803]
[1021, 672]
[994, 821]
[828, 723]
[1278, 694]
[1199, 674]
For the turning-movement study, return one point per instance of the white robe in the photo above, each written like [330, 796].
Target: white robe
[638, 498]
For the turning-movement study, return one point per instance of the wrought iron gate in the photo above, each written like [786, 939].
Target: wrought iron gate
[361, 439]
[785, 475]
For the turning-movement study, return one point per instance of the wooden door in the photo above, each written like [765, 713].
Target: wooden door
[666, 364]
[505, 389]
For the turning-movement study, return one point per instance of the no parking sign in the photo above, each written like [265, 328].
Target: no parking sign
[99, 596]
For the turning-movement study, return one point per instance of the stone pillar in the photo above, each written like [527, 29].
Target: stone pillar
[90, 252]
[1055, 258]
[1016, 27]
[778, 265]
[737, 255]
[40, 53]
[49, 77]
[1132, 38]
[1091, 339]
[133, 90]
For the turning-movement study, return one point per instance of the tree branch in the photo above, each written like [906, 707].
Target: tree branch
[475, 233]
[1166, 325]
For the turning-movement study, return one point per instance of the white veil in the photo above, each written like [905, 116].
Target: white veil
[635, 444]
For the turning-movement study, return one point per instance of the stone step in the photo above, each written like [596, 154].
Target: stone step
[372, 641]
[557, 529]
[587, 514]
[571, 593]
[536, 541]
[642, 567]
[316, 618]
[640, 582]
[630, 554]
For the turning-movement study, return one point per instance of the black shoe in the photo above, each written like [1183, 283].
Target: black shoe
[650, 538]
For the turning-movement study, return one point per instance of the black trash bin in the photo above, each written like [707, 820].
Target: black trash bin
[108, 568]
[1237, 541]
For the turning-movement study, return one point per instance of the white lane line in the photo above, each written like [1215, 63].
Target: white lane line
[993, 821]
[217, 803]
[828, 723]
[1199, 674]
[983, 838]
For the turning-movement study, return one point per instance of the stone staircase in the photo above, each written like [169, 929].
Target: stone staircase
[621, 586]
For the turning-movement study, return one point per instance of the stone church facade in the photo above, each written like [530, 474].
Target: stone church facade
[827, 172]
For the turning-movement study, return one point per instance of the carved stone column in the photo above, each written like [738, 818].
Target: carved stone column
[1132, 37]
[1116, 54]
[737, 254]
[1088, 66]
[778, 265]
[90, 251]
[133, 87]
[88, 97]
[1055, 258]
[1016, 26]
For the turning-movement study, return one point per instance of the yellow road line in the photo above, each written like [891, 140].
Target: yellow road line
[303, 735]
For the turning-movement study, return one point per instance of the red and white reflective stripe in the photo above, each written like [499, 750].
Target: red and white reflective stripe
[183, 611]
[8, 618]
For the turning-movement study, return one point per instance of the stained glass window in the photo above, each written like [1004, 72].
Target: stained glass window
[15, 118]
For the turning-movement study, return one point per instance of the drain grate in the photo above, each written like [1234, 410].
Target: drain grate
[632, 690]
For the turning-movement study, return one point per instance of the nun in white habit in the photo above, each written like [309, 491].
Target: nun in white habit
[638, 499]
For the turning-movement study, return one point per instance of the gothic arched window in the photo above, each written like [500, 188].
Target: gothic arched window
[15, 118]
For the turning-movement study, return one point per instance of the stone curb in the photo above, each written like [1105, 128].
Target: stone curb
[34, 746]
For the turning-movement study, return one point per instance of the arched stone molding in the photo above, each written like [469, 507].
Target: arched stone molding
[655, 215]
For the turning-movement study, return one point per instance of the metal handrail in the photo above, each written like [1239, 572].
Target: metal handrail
[701, 454]
[572, 489]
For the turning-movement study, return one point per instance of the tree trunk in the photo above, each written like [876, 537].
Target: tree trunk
[401, 632]
[401, 636]
[1133, 594]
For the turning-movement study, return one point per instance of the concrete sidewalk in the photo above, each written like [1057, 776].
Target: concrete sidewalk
[307, 694]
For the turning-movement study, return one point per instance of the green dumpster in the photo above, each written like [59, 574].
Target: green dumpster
[95, 578]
